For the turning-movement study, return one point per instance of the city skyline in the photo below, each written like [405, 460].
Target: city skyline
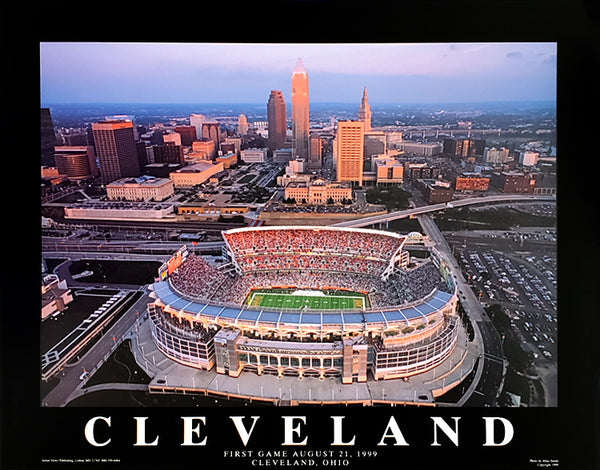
[246, 73]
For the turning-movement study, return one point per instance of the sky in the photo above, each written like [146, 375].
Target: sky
[246, 73]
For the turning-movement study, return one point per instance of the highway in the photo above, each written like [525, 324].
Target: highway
[160, 224]
[485, 388]
[383, 218]
[489, 375]
[51, 244]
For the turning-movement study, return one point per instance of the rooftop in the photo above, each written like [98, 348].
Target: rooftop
[196, 167]
[144, 180]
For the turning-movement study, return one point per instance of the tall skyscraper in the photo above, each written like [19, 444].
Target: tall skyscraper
[115, 149]
[349, 151]
[364, 112]
[242, 125]
[277, 120]
[47, 138]
[299, 111]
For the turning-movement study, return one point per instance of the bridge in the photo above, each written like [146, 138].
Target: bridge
[384, 218]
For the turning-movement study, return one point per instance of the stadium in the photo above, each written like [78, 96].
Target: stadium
[307, 302]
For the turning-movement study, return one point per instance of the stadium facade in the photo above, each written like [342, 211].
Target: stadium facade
[201, 315]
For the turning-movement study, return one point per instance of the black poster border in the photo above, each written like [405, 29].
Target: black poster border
[35, 437]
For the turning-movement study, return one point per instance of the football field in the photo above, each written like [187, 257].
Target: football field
[315, 300]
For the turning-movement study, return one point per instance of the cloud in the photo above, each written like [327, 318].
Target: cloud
[238, 71]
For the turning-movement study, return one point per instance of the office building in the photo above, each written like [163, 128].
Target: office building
[388, 171]
[144, 153]
[468, 182]
[242, 125]
[187, 133]
[299, 111]
[375, 144]
[420, 170]
[228, 160]
[436, 191]
[228, 147]
[282, 155]
[494, 155]
[364, 112]
[236, 142]
[211, 130]
[168, 154]
[295, 166]
[56, 295]
[528, 158]
[393, 139]
[172, 138]
[47, 138]
[545, 184]
[76, 162]
[143, 188]
[349, 145]
[115, 149]
[254, 155]
[315, 154]
[277, 119]
[198, 173]
[464, 147]
[74, 139]
[161, 170]
[425, 149]
[513, 182]
[203, 149]
[196, 120]
[124, 117]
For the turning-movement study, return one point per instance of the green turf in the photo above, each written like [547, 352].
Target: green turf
[284, 299]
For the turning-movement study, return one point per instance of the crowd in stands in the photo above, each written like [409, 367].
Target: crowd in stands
[305, 240]
[406, 286]
[321, 262]
[198, 279]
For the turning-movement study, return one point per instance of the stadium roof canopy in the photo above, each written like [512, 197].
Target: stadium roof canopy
[165, 293]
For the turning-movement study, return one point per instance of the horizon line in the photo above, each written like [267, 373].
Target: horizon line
[191, 103]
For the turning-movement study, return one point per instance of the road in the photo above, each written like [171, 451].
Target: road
[162, 224]
[489, 375]
[70, 382]
[489, 378]
[383, 218]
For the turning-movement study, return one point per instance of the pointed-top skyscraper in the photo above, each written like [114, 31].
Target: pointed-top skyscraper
[300, 111]
[364, 112]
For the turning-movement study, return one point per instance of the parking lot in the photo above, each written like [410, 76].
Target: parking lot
[524, 285]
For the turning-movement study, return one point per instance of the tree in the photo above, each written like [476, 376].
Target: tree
[499, 318]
